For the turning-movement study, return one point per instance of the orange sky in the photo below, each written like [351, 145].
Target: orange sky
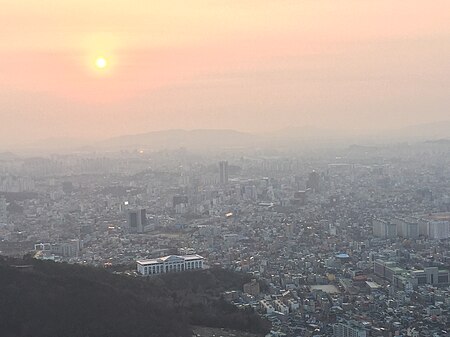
[247, 65]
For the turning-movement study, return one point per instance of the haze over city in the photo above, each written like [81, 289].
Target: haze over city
[255, 66]
[232, 168]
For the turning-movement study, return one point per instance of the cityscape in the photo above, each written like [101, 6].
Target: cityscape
[354, 242]
[199, 168]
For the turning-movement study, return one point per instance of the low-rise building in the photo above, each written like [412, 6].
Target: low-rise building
[267, 307]
[349, 329]
[170, 264]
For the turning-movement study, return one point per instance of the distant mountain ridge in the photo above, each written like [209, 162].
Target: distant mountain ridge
[228, 139]
[191, 139]
[424, 132]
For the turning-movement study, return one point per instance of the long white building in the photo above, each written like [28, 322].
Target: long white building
[170, 264]
[349, 329]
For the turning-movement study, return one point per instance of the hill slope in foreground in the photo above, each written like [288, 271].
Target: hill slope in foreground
[47, 299]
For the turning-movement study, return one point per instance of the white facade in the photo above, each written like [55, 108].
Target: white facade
[170, 264]
[379, 228]
[384, 229]
[439, 230]
[406, 228]
[349, 329]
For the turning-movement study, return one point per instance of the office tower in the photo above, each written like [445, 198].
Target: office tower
[132, 220]
[223, 169]
[136, 220]
[313, 181]
[143, 218]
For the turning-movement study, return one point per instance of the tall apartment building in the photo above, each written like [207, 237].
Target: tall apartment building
[223, 172]
[439, 230]
[384, 229]
[406, 228]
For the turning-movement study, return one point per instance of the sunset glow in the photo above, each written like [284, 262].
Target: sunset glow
[358, 65]
[101, 63]
[224, 168]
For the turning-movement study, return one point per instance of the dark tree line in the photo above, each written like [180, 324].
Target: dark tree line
[50, 299]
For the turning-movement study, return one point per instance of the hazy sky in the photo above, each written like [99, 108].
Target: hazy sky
[251, 65]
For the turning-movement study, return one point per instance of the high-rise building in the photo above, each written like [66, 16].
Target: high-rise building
[313, 181]
[137, 220]
[132, 220]
[384, 229]
[143, 218]
[439, 230]
[406, 228]
[3, 211]
[223, 172]
[435, 226]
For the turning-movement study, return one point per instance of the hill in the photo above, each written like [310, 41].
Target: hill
[47, 299]
[415, 133]
[191, 139]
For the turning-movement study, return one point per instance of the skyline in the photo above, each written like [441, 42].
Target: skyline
[359, 66]
[252, 168]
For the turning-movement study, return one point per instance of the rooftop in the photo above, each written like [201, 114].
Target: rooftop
[170, 258]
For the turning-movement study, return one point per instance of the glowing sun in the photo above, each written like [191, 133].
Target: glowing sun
[101, 63]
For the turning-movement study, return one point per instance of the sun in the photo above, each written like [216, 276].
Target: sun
[101, 62]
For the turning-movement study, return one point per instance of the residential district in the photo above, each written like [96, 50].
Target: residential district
[352, 242]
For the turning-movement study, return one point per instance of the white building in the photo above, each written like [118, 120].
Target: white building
[69, 248]
[384, 229]
[406, 228]
[439, 230]
[435, 226]
[170, 264]
[349, 329]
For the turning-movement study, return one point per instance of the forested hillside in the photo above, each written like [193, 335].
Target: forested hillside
[46, 299]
